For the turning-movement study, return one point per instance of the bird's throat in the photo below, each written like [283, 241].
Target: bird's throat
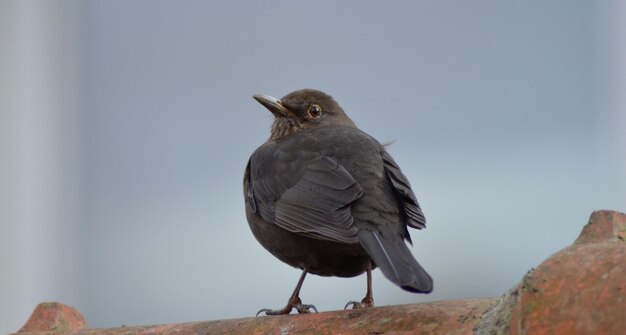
[283, 126]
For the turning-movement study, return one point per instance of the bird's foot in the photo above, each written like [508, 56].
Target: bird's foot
[366, 302]
[291, 304]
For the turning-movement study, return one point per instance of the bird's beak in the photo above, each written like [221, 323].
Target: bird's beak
[274, 105]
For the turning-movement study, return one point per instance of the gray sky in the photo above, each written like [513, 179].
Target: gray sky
[504, 117]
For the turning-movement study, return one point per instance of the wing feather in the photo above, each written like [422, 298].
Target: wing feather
[412, 209]
[317, 204]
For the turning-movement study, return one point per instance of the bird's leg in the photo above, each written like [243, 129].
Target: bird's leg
[293, 302]
[368, 301]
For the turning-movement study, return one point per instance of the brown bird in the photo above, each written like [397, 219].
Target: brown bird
[325, 197]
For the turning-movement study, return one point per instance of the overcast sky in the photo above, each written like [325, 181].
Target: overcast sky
[504, 117]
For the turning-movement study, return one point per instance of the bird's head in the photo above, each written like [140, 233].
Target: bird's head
[301, 110]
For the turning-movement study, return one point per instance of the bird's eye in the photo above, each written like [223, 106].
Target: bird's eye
[315, 111]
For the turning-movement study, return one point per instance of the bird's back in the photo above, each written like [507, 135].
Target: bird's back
[282, 164]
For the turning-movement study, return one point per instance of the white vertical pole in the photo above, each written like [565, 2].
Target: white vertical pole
[40, 164]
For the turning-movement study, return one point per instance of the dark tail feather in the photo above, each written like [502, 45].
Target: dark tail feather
[395, 260]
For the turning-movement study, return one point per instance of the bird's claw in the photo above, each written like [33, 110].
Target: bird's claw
[353, 303]
[300, 307]
[267, 311]
[364, 303]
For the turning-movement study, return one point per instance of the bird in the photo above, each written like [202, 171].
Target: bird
[325, 197]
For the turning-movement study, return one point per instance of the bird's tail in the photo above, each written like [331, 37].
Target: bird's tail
[395, 260]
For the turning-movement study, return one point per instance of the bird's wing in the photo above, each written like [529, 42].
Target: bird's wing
[415, 217]
[317, 205]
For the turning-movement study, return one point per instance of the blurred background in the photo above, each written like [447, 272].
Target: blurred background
[125, 128]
